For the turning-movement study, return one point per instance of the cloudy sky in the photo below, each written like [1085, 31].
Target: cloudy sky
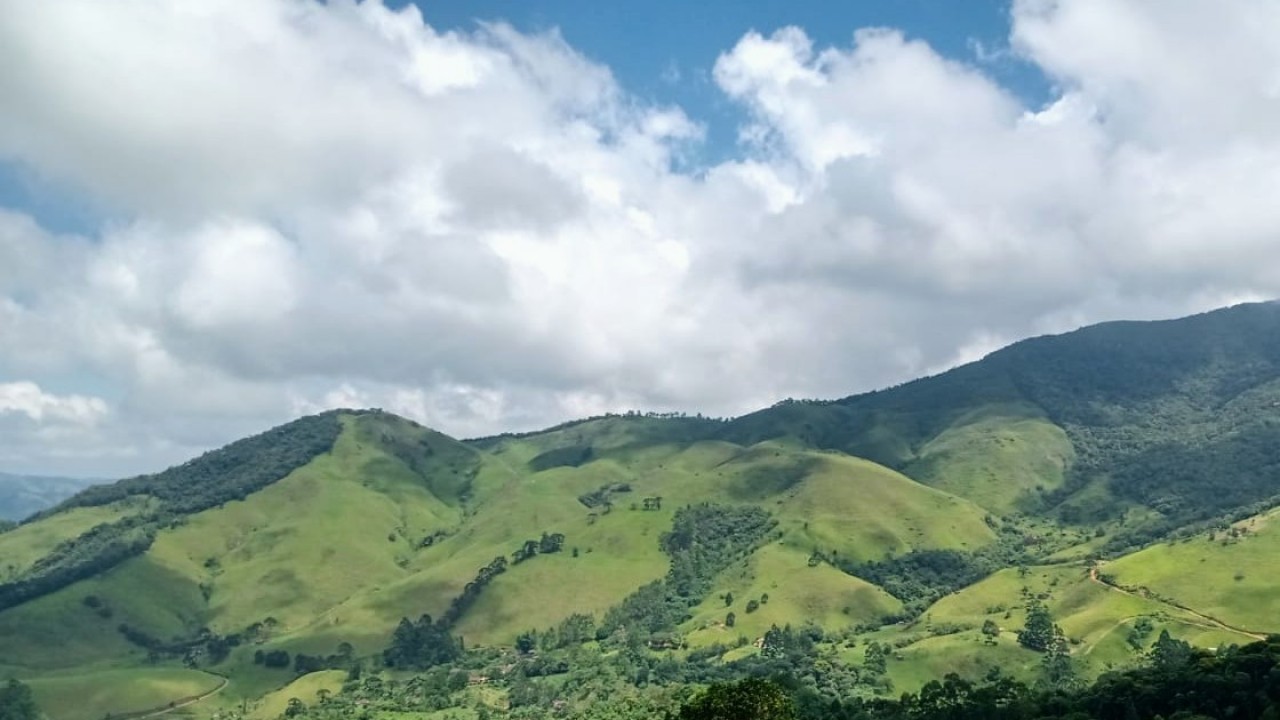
[216, 215]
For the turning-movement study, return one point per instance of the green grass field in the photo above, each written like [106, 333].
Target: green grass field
[797, 594]
[92, 696]
[1228, 578]
[1001, 458]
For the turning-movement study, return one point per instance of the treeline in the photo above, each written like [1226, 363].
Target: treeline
[229, 473]
[703, 541]
[206, 647]
[428, 642]
[918, 578]
[95, 551]
[1176, 682]
[216, 477]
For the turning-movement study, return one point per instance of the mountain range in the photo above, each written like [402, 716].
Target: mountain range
[1119, 480]
[23, 495]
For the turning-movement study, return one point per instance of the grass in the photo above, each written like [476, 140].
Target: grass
[92, 696]
[1000, 457]
[334, 552]
[1228, 578]
[797, 594]
[306, 688]
[24, 545]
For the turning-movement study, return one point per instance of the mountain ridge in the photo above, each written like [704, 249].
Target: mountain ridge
[912, 517]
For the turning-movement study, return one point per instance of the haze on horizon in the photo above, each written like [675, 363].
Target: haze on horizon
[215, 216]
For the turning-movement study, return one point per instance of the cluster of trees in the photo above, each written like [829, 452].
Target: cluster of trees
[548, 543]
[205, 646]
[921, 577]
[603, 495]
[17, 702]
[471, 591]
[95, 551]
[422, 644]
[704, 540]
[229, 473]
[1175, 682]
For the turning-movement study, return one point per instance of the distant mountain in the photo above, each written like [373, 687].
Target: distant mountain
[921, 524]
[24, 495]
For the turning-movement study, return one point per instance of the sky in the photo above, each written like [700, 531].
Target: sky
[216, 216]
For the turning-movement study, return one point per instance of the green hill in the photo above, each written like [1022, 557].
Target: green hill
[895, 528]
[1178, 417]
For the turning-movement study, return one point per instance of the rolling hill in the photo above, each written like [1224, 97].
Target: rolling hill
[893, 529]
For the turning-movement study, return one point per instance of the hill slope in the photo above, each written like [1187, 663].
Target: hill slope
[1178, 417]
[970, 495]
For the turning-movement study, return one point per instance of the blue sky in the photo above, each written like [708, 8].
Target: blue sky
[664, 50]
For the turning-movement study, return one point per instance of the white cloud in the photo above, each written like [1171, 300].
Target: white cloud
[26, 398]
[335, 204]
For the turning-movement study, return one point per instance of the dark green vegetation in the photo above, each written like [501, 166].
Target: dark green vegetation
[1175, 417]
[17, 702]
[1173, 681]
[231, 473]
[981, 522]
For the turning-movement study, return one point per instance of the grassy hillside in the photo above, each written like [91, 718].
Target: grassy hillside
[83, 697]
[1179, 417]
[1225, 573]
[321, 536]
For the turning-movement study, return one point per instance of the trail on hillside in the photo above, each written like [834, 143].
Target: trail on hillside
[1206, 621]
[177, 705]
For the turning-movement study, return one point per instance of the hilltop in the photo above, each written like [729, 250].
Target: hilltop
[868, 544]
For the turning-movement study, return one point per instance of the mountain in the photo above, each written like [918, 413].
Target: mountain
[864, 546]
[23, 495]
[1165, 423]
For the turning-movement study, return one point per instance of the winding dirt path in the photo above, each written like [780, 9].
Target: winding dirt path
[188, 702]
[1202, 620]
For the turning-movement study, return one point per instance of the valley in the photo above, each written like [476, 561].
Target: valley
[1120, 481]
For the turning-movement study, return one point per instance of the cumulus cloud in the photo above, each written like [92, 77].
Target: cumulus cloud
[332, 204]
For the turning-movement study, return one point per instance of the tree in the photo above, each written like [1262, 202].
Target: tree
[876, 658]
[990, 629]
[526, 642]
[751, 699]
[1037, 634]
[730, 620]
[17, 702]
[526, 551]
[1168, 653]
[551, 543]
[1058, 672]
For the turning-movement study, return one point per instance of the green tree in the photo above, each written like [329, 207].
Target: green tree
[752, 699]
[1168, 653]
[876, 658]
[1037, 634]
[1058, 671]
[17, 702]
[731, 619]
